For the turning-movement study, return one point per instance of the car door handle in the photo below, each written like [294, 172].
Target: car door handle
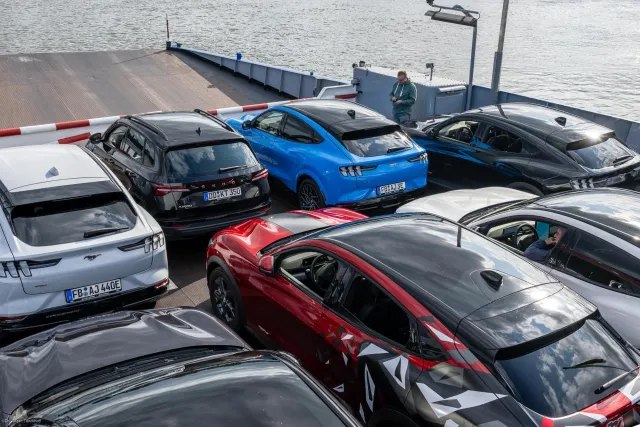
[131, 174]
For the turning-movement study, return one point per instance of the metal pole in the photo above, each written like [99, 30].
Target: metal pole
[167, 19]
[497, 60]
[471, 66]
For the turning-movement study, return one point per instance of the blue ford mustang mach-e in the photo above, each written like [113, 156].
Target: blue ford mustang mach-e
[336, 153]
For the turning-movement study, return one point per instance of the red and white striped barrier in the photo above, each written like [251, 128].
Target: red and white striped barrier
[67, 132]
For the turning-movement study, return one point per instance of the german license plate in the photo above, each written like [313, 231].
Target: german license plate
[391, 188]
[93, 291]
[222, 194]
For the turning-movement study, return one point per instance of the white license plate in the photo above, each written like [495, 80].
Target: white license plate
[391, 188]
[93, 291]
[222, 194]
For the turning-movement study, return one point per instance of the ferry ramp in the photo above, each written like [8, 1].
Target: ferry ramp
[55, 87]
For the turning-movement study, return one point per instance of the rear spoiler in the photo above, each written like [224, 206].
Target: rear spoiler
[589, 142]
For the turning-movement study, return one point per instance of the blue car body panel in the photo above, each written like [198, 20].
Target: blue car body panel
[290, 162]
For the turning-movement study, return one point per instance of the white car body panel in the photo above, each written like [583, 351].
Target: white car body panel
[456, 204]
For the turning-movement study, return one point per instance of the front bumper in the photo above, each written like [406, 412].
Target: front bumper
[211, 225]
[384, 202]
[77, 311]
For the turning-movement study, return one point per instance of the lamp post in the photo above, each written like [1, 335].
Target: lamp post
[459, 16]
[497, 59]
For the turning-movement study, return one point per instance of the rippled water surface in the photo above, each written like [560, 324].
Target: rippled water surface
[585, 53]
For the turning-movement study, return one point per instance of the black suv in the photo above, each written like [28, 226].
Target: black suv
[527, 147]
[190, 170]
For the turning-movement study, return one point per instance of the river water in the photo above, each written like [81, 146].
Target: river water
[584, 53]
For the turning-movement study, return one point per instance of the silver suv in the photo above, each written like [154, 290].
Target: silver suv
[72, 241]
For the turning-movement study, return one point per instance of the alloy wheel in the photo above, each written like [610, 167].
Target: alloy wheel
[223, 303]
[309, 198]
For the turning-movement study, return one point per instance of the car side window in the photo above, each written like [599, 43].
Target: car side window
[366, 303]
[116, 136]
[522, 233]
[149, 156]
[602, 263]
[312, 271]
[499, 139]
[462, 131]
[133, 145]
[269, 122]
[298, 131]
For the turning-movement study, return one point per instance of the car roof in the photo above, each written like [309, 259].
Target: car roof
[41, 166]
[543, 121]
[421, 253]
[614, 210]
[73, 347]
[178, 128]
[334, 115]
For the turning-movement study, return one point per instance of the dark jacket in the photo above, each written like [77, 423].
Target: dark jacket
[407, 93]
[537, 251]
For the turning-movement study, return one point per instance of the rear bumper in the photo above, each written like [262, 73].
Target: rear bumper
[384, 202]
[77, 311]
[210, 225]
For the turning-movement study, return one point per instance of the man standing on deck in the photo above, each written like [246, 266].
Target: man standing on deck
[403, 96]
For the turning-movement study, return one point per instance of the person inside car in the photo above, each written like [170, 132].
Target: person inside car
[540, 249]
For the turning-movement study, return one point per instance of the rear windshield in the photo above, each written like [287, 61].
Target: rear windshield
[72, 220]
[561, 378]
[201, 161]
[376, 145]
[610, 152]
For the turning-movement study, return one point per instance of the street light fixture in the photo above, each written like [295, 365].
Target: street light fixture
[460, 16]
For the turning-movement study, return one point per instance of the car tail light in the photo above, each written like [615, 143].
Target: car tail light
[10, 268]
[153, 242]
[422, 158]
[13, 268]
[163, 190]
[11, 319]
[162, 283]
[262, 174]
[355, 170]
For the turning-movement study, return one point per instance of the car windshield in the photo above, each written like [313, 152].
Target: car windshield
[610, 152]
[366, 144]
[201, 161]
[261, 391]
[72, 220]
[561, 378]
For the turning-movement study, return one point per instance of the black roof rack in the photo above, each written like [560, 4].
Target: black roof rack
[146, 124]
[214, 118]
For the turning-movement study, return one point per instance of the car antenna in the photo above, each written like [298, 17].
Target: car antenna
[198, 131]
[459, 235]
[352, 114]
[561, 121]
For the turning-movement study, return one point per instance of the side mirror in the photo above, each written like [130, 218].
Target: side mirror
[265, 265]
[96, 137]
[246, 124]
[432, 133]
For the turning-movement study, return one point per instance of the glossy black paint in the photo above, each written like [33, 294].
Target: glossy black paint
[543, 165]
[184, 213]
[421, 254]
[74, 349]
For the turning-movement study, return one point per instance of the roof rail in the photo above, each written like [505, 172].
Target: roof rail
[148, 125]
[214, 118]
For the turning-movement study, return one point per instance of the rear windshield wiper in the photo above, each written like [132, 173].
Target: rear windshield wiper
[622, 159]
[230, 168]
[608, 384]
[103, 231]
[586, 364]
[394, 149]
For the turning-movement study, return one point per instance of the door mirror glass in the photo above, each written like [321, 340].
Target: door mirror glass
[431, 133]
[246, 124]
[265, 265]
[96, 137]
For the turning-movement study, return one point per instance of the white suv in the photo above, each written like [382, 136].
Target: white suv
[72, 241]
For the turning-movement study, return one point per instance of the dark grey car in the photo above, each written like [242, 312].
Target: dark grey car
[158, 367]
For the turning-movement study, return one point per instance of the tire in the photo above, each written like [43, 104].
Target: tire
[523, 186]
[226, 301]
[309, 195]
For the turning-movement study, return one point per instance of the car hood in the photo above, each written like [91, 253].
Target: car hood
[37, 363]
[456, 204]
